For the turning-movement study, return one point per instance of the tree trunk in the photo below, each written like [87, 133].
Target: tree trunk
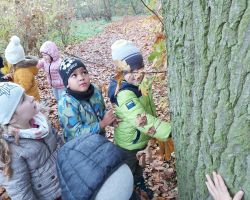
[133, 7]
[107, 10]
[209, 85]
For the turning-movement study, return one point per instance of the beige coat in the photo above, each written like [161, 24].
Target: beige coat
[34, 169]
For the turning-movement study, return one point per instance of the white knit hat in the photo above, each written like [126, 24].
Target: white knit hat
[125, 50]
[14, 52]
[10, 95]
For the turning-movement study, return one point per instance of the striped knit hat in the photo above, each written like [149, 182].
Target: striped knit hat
[125, 50]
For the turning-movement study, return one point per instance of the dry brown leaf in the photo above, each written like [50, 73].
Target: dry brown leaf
[148, 152]
[141, 120]
[159, 198]
[159, 37]
[151, 130]
[122, 66]
[118, 77]
[104, 90]
[142, 160]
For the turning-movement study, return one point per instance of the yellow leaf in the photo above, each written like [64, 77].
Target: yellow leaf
[118, 77]
[144, 90]
[122, 66]
[145, 86]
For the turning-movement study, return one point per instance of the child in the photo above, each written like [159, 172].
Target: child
[81, 109]
[91, 167]
[218, 189]
[6, 67]
[50, 63]
[28, 147]
[136, 111]
[1, 66]
[24, 68]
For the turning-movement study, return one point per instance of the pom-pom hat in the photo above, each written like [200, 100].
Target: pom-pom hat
[14, 52]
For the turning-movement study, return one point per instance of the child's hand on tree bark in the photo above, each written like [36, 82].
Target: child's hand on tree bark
[218, 189]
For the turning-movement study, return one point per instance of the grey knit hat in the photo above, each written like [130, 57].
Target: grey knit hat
[124, 50]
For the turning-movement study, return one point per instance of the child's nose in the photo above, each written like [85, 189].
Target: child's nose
[81, 77]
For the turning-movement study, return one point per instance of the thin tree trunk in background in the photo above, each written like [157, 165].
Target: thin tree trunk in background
[107, 10]
[209, 82]
[133, 7]
[94, 14]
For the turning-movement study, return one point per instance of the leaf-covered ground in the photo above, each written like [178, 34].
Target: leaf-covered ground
[96, 54]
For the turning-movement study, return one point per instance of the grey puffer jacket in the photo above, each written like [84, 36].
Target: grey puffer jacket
[34, 169]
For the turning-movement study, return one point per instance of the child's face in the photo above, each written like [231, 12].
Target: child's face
[46, 57]
[135, 77]
[26, 109]
[79, 80]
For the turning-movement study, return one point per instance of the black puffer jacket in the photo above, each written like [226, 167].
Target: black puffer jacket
[83, 165]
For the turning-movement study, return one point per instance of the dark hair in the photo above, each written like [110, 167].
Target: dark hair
[1, 62]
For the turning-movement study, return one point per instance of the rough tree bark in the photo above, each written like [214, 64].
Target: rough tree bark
[209, 82]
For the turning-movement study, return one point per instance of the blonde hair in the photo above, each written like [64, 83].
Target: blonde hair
[5, 154]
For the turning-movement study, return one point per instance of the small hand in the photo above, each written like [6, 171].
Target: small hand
[108, 119]
[218, 189]
[116, 122]
[8, 76]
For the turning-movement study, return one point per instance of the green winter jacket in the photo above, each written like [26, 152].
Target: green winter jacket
[130, 104]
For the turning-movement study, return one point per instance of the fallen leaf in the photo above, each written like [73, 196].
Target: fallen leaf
[118, 77]
[141, 120]
[151, 130]
[122, 66]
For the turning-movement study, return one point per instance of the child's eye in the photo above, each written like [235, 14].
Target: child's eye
[73, 75]
[85, 72]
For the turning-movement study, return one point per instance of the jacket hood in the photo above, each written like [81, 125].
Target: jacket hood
[50, 49]
[30, 61]
[124, 86]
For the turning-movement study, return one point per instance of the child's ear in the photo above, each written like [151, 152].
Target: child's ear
[127, 76]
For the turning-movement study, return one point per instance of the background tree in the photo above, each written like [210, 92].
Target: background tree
[209, 84]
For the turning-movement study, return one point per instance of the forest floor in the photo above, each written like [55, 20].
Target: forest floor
[96, 54]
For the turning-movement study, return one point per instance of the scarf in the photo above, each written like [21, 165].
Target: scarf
[40, 128]
[82, 95]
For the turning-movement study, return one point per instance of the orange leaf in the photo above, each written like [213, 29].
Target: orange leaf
[118, 77]
[166, 148]
[169, 148]
[159, 37]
